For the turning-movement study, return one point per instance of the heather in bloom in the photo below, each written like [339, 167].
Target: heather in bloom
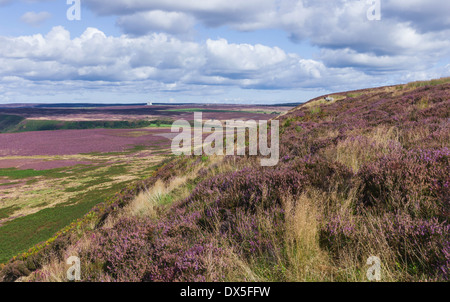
[365, 175]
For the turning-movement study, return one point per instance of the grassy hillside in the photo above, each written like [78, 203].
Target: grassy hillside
[8, 122]
[366, 174]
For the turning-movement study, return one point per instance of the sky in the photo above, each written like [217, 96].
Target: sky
[215, 51]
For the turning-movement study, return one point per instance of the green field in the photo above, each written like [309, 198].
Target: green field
[42, 202]
[15, 124]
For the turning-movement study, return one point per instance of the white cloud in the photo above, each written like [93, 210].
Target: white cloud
[165, 61]
[231, 9]
[409, 28]
[156, 21]
[35, 19]
[242, 57]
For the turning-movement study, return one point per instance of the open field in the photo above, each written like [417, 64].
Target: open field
[40, 194]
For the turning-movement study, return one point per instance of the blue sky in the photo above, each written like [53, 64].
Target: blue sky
[216, 51]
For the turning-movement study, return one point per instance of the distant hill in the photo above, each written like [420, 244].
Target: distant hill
[66, 105]
[97, 105]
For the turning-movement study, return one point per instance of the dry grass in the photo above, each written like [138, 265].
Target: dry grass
[54, 269]
[146, 203]
[321, 101]
[150, 202]
[306, 260]
[355, 153]
[384, 135]
[412, 136]
[299, 259]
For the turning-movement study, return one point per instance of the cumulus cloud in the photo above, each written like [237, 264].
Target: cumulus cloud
[242, 57]
[156, 21]
[408, 29]
[162, 58]
[35, 19]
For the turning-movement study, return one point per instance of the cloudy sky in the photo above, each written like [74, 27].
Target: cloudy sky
[216, 51]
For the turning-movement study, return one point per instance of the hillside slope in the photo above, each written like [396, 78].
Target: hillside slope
[8, 122]
[366, 174]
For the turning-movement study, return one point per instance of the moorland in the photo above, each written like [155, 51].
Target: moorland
[57, 162]
[362, 173]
